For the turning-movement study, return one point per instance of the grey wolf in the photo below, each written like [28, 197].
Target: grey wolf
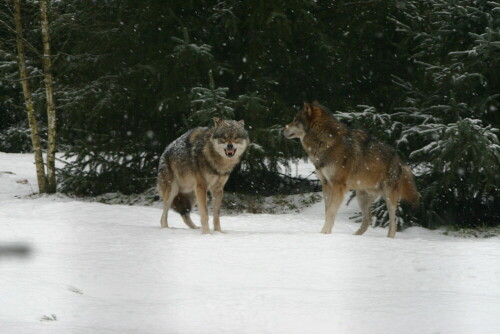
[347, 159]
[197, 162]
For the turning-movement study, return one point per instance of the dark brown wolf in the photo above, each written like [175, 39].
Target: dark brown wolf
[197, 162]
[348, 159]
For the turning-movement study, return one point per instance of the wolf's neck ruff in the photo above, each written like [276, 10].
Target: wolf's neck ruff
[320, 137]
[218, 164]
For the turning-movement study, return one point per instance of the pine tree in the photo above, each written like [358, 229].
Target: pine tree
[449, 112]
[207, 103]
[132, 93]
[133, 77]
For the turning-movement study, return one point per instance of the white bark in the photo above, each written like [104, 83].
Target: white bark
[30, 108]
[51, 108]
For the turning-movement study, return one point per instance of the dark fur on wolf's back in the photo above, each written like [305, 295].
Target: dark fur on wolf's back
[200, 161]
[351, 159]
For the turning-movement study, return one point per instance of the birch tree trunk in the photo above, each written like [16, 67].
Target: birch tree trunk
[51, 108]
[30, 107]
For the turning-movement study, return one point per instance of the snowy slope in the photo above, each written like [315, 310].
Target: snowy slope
[110, 269]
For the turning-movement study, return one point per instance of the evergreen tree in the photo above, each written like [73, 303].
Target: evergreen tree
[450, 110]
[207, 103]
[126, 86]
[132, 77]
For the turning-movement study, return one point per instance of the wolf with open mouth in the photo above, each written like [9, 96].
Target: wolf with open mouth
[197, 162]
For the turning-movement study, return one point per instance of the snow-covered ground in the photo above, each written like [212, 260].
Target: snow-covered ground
[100, 268]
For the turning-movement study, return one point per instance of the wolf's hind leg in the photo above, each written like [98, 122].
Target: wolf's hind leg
[391, 200]
[365, 201]
[168, 196]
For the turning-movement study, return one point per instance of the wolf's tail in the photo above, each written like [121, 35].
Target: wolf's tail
[407, 188]
[182, 204]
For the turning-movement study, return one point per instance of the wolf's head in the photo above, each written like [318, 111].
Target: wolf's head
[230, 139]
[298, 126]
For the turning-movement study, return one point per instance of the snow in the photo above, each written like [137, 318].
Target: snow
[100, 268]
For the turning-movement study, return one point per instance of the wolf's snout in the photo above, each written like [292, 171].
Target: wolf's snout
[286, 132]
[230, 150]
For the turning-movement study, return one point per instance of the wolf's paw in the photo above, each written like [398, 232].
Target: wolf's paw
[326, 232]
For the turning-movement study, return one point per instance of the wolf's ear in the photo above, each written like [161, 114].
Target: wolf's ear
[242, 123]
[217, 121]
[316, 102]
[311, 109]
[315, 109]
[307, 109]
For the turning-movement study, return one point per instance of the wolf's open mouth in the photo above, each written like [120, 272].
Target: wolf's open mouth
[230, 152]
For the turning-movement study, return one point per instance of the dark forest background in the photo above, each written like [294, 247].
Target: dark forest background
[131, 76]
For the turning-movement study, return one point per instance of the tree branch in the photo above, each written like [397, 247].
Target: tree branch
[18, 80]
[30, 46]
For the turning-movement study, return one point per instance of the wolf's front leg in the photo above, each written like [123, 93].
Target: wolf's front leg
[327, 198]
[334, 194]
[201, 198]
[217, 195]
